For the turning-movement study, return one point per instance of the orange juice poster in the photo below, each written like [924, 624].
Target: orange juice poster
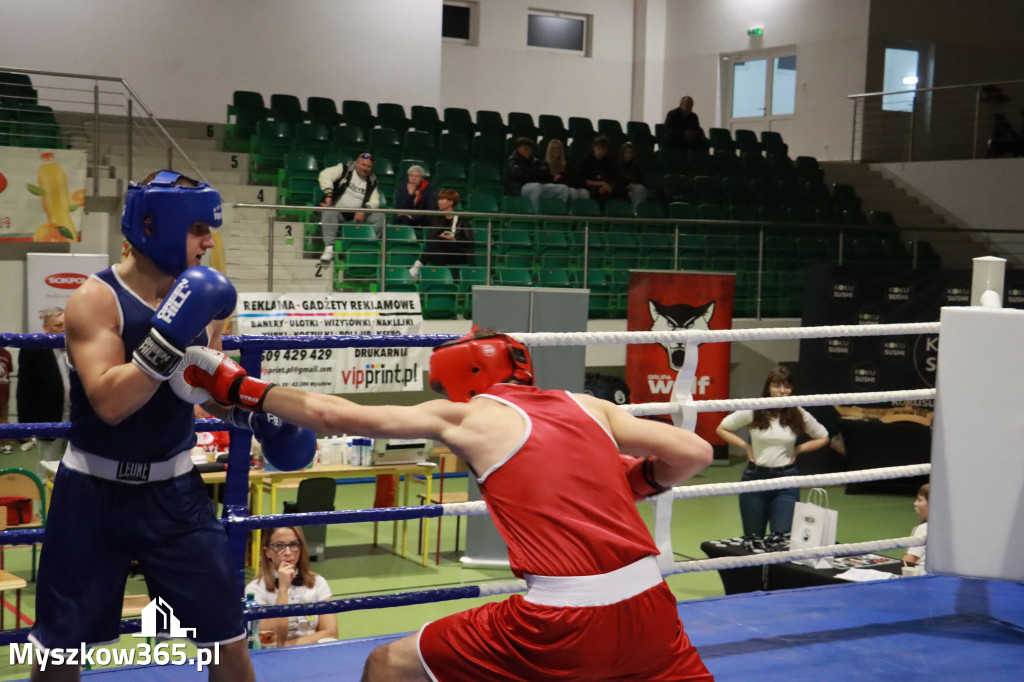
[42, 194]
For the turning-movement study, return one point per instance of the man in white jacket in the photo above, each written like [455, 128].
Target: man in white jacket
[349, 185]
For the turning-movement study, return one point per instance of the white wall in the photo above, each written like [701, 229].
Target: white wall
[502, 74]
[831, 43]
[186, 57]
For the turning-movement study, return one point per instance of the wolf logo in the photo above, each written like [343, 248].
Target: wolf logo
[665, 318]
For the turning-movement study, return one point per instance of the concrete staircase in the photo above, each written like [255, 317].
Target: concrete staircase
[246, 231]
[915, 219]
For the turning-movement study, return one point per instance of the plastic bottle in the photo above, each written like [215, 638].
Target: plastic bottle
[252, 627]
[56, 201]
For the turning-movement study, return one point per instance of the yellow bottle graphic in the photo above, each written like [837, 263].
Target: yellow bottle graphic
[56, 202]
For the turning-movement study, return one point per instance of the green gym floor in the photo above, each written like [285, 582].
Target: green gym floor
[354, 566]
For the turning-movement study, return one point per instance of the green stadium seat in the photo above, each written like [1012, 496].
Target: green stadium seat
[426, 119]
[391, 115]
[469, 276]
[746, 141]
[553, 249]
[520, 124]
[248, 109]
[554, 277]
[485, 177]
[488, 148]
[419, 144]
[639, 133]
[348, 140]
[358, 237]
[581, 127]
[287, 108]
[612, 129]
[453, 147]
[513, 277]
[323, 110]
[438, 293]
[311, 138]
[450, 174]
[357, 113]
[358, 267]
[490, 123]
[267, 149]
[385, 143]
[550, 125]
[459, 120]
[514, 248]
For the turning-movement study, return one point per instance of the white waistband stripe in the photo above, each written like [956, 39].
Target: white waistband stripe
[127, 472]
[594, 590]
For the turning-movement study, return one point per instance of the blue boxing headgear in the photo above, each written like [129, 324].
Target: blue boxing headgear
[157, 217]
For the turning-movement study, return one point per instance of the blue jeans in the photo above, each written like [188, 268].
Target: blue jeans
[775, 506]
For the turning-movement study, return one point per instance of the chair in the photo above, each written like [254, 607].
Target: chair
[268, 147]
[348, 140]
[488, 148]
[612, 129]
[312, 138]
[287, 108]
[384, 142]
[391, 115]
[447, 462]
[552, 126]
[248, 109]
[450, 174]
[520, 124]
[459, 120]
[419, 144]
[323, 110]
[453, 147]
[747, 142]
[580, 126]
[358, 113]
[439, 293]
[17, 482]
[639, 133]
[485, 177]
[490, 123]
[314, 495]
[425, 119]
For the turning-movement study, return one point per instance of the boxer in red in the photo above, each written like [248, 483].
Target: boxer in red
[563, 498]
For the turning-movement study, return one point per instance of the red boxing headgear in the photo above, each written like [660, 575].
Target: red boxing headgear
[471, 365]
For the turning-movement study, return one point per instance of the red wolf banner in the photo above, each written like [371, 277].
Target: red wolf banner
[669, 301]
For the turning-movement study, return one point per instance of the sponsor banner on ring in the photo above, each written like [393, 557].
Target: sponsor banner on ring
[671, 301]
[337, 370]
[51, 278]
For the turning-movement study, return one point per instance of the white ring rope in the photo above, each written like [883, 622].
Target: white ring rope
[646, 409]
[722, 335]
[684, 492]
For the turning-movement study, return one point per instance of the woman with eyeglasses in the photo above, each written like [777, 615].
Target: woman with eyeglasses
[285, 561]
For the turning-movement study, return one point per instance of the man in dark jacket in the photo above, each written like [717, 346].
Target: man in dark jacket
[43, 384]
[682, 128]
[598, 170]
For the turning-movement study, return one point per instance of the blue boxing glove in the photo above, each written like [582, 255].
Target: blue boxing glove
[286, 447]
[199, 296]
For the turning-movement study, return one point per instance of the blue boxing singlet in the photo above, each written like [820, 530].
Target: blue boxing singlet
[161, 428]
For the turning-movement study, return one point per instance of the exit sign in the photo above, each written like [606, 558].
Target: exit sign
[758, 31]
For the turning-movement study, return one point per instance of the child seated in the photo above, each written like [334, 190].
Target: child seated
[915, 555]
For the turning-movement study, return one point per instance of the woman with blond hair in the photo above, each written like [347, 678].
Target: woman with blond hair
[557, 168]
[284, 560]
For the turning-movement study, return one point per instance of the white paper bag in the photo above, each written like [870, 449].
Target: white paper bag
[814, 525]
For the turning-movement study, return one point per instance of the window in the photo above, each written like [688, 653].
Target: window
[900, 74]
[761, 86]
[557, 31]
[784, 85]
[457, 21]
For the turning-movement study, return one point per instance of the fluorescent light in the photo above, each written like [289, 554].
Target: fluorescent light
[910, 80]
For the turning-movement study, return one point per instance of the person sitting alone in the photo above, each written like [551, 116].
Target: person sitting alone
[915, 555]
[284, 560]
[448, 236]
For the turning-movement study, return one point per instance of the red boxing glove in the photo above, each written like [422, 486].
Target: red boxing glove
[640, 474]
[207, 373]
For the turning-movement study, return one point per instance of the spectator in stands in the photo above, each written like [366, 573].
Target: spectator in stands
[525, 175]
[349, 185]
[772, 453]
[284, 560]
[630, 177]
[915, 555]
[6, 369]
[416, 193]
[598, 171]
[557, 168]
[43, 385]
[448, 236]
[682, 128]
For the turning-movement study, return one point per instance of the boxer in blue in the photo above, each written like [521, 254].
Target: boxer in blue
[126, 488]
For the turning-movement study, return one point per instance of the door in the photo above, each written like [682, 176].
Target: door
[759, 90]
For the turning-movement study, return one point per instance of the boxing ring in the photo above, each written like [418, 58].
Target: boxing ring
[944, 627]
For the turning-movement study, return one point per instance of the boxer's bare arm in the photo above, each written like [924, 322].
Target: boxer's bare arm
[481, 432]
[115, 388]
[679, 454]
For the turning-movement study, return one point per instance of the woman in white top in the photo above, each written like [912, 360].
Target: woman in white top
[915, 555]
[285, 560]
[772, 453]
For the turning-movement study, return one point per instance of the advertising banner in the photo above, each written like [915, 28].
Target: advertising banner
[50, 278]
[843, 295]
[669, 301]
[42, 192]
[337, 370]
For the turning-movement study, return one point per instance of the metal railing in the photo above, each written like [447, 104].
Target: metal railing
[90, 111]
[971, 121]
[768, 257]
